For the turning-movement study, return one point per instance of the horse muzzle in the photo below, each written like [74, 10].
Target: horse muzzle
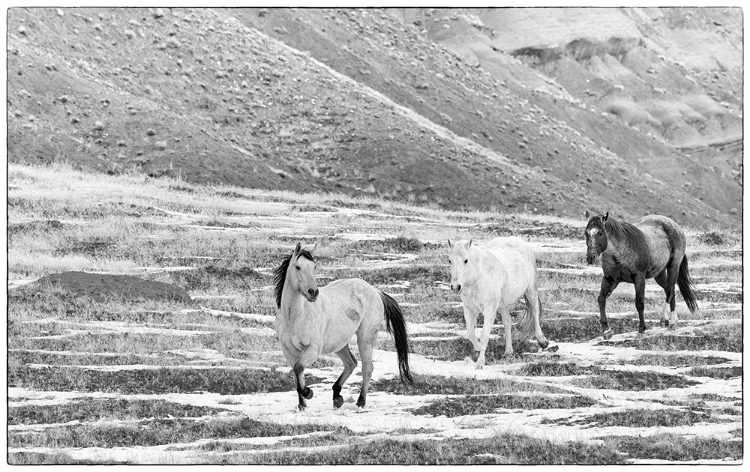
[592, 258]
[312, 295]
[456, 288]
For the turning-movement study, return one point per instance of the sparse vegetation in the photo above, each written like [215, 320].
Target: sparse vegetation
[672, 447]
[502, 449]
[482, 405]
[118, 353]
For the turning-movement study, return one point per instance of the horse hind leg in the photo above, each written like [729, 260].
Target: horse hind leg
[663, 281]
[365, 354]
[673, 273]
[535, 313]
[350, 363]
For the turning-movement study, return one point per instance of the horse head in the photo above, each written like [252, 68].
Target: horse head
[301, 272]
[460, 267]
[596, 236]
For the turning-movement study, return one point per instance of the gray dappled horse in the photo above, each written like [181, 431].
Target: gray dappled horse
[312, 322]
[653, 247]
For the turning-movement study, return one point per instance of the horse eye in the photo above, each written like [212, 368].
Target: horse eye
[466, 261]
[298, 267]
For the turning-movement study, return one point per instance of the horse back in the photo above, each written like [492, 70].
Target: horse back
[516, 258]
[665, 240]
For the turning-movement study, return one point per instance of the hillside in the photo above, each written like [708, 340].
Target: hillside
[438, 108]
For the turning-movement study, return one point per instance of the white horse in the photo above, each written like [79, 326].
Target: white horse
[490, 279]
[312, 322]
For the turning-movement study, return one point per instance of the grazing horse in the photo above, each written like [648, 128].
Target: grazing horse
[654, 247]
[312, 322]
[490, 279]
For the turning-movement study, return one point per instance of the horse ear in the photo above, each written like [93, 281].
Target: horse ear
[310, 247]
[605, 217]
[297, 249]
[587, 215]
[450, 244]
[469, 245]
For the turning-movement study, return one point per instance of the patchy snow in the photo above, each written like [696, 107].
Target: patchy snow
[235, 314]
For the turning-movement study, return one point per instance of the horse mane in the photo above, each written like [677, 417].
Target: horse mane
[626, 231]
[279, 274]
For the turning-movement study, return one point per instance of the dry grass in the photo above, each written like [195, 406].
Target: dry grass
[231, 239]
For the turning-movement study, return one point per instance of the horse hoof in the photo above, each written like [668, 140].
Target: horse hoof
[338, 401]
[641, 330]
[361, 403]
[607, 334]
[543, 343]
[301, 407]
[307, 393]
[664, 323]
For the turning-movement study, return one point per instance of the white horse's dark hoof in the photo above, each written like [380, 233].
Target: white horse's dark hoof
[608, 333]
[306, 393]
[338, 402]
[543, 344]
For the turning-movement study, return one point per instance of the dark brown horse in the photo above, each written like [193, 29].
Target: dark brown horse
[654, 247]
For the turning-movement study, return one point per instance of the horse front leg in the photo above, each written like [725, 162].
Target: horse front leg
[308, 356]
[489, 320]
[470, 315]
[640, 295]
[608, 286]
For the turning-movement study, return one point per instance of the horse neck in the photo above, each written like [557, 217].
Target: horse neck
[480, 259]
[616, 243]
[292, 301]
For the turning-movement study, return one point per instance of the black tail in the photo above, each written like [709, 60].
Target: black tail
[686, 286]
[394, 323]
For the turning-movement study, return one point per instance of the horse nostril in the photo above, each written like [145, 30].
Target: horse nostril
[312, 293]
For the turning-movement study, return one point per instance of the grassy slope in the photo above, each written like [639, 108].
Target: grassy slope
[97, 88]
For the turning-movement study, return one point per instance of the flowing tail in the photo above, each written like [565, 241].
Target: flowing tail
[527, 323]
[686, 286]
[394, 323]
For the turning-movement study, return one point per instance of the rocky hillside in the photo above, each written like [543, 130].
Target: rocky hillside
[547, 111]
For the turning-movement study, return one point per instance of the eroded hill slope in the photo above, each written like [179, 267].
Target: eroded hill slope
[360, 101]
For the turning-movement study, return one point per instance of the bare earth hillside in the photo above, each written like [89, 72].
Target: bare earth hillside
[634, 111]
